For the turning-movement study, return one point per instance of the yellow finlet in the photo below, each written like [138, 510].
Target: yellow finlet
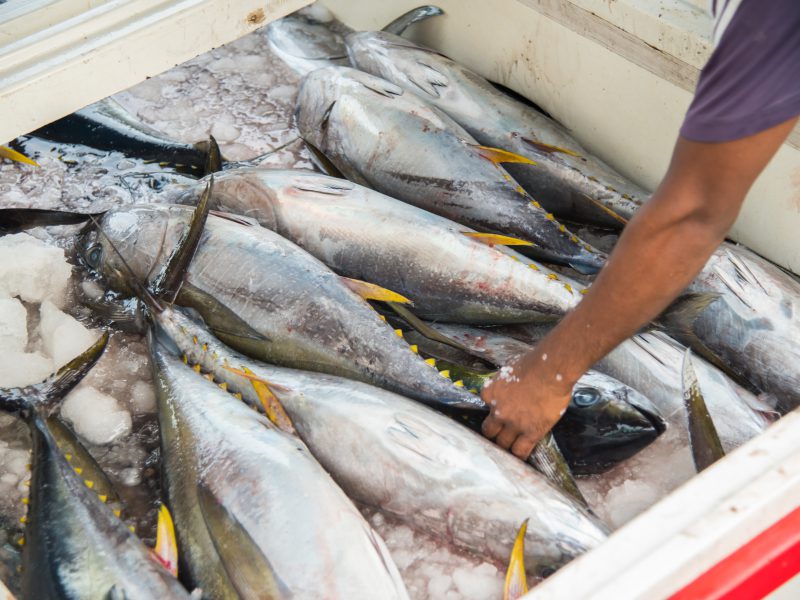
[117, 512]
[132, 528]
[68, 457]
[431, 361]
[21, 541]
[209, 376]
[552, 276]
[398, 332]
[26, 500]
[224, 385]
[495, 239]
[238, 395]
[166, 550]
[370, 291]
[23, 519]
[516, 584]
[497, 156]
[196, 368]
[458, 383]
[185, 359]
[89, 483]
[445, 373]
[10, 154]
[414, 348]
[103, 498]
[78, 470]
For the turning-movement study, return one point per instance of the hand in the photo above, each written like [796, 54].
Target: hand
[526, 401]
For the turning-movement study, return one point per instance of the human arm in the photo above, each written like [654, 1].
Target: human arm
[659, 253]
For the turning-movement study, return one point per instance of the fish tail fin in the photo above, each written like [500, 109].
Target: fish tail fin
[516, 584]
[166, 548]
[46, 394]
[548, 460]
[11, 154]
[703, 437]
[415, 15]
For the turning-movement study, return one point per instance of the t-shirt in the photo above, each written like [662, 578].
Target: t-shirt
[752, 79]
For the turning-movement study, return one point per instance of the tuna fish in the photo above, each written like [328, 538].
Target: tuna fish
[566, 179]
[75, 546]
[752, 326]
[268, 298]
[256, 516]
[449, 271]
[398, 144]
[389, 452]
[312, 37]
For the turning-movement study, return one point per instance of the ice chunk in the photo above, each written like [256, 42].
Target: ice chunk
[438, 585]
[627, 500]
[96, 417]
[143, 397]
[480, 583]
[63, 337]
[32, 269]
[13, 325]
[18, 369]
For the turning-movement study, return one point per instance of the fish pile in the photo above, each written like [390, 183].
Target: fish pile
[318, 340]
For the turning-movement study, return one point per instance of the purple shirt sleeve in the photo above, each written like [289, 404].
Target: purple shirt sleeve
[752, 80]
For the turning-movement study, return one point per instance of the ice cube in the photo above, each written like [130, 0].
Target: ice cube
[18, 369]
[143, 397]
[13, 325]
[63, 337]
[96, 417]
[32, 269]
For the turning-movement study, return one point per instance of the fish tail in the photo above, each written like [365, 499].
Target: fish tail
[44, 395]
[13, 220]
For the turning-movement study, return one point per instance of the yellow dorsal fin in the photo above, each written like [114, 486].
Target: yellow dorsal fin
[516, 584]
[10, 154]
[370, 291]
[497, 156]
[166, 550]
[495, 239]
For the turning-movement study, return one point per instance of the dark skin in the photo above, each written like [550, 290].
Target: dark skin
[659, 253]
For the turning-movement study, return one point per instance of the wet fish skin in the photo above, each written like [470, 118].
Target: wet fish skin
[106, 125]
[312, 37]
[570, 183]
[398, 455]
[396, 143]
[703, 437]
[270, 299]
[266, 489]
[366, 235]
[75, 546]
[753, 326]
[606, 421]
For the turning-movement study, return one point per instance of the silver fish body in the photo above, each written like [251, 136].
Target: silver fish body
[395, 454]
[363, 234]
[754, 326]
[270, 299]
[398, 144]
[269, 490]
[566, 179]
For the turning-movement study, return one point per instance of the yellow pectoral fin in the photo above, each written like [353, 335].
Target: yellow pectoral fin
[6, 152]
[166, 550]
[370, 291]
[516, 584]
[496, 239]
[269, 402]
[497, 156]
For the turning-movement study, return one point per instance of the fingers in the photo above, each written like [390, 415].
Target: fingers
[491, 427]
[523, 446]
[506, 437]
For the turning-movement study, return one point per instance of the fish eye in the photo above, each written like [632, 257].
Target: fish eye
[585, 397]
[94, 255]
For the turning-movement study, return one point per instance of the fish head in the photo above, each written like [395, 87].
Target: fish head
[605, 423]
[125, 243]
[321, 91]
[400, 61]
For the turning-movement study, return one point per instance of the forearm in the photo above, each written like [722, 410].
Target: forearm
[658, 255]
